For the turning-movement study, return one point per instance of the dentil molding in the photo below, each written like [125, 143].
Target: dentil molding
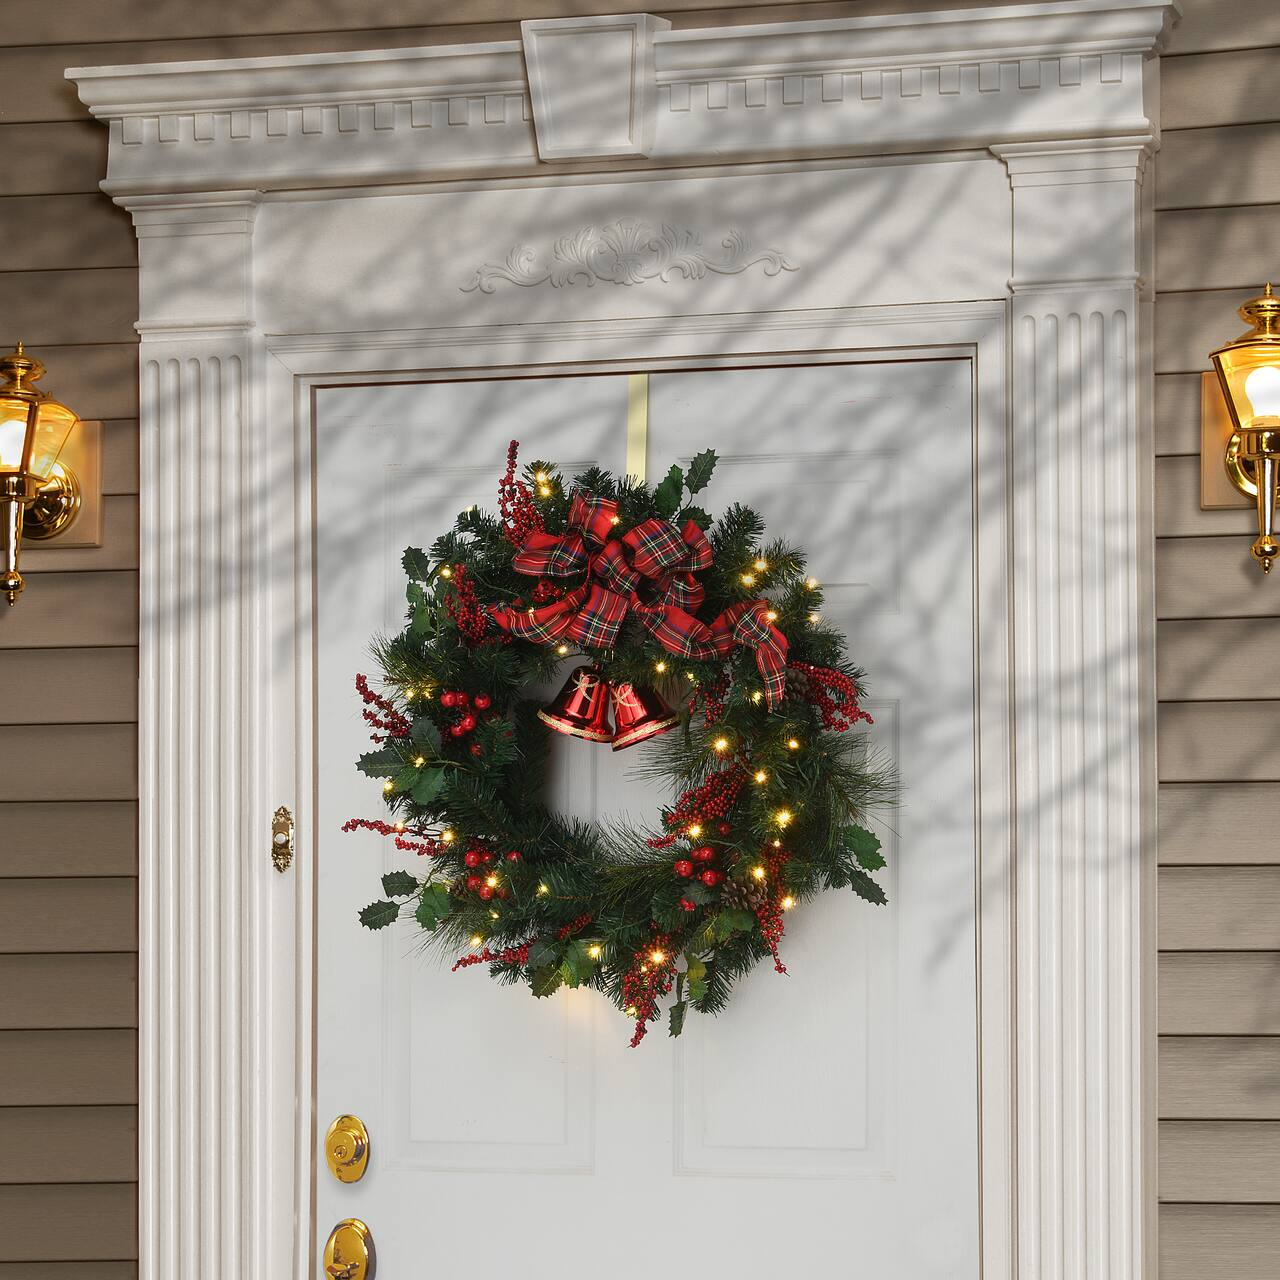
[626, 89]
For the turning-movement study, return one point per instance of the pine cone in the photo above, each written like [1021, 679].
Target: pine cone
[745, 895]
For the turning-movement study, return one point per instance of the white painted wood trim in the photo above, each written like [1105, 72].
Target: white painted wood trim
[1062, 93]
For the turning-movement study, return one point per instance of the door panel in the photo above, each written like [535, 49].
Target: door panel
[827, 1120]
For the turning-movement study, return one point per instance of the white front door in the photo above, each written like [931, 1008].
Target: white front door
[826, 1124]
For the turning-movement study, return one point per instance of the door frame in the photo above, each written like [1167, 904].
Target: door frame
[1062, 94]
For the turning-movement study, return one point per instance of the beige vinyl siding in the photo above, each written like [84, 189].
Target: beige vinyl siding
[68, 810]
[1217, 242]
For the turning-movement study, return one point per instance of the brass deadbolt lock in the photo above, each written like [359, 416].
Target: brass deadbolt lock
[346, 1148]
[348, 1253]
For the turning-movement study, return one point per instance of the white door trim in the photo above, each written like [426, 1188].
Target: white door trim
[1061, 93]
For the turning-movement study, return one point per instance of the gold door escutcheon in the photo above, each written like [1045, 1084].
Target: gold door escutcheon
[348, 1253]
[346, 1148]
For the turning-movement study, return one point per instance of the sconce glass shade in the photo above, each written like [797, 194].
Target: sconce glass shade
[33, 426]
[1249, 367]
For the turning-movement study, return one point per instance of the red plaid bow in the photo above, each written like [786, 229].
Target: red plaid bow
[654, 555]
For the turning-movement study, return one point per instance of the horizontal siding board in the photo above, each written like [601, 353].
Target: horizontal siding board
[1218, 741]
[1177, 414]
[96, 1270]
[1219, 909]
[98, 380]
[61, 231]
[1190, 325]
[59, 158]
[1207, 25]
[81, 838]
[1220, 1077]
[1178, 510]
[1219, 1242]
[1210, 658]
[71, 1144]
[1210, 89]
[1219, 822]
[1219, 1161]
[69, 307]
[1219, 993]
[1204, 578]
[68, 1068]
[1216, 248]
[69, 914]
[119, 549]
[1203, 168]
[120, 456]
[69, 686]
[69, 1222]
[69, 762]
[73, 610]
[52, 991]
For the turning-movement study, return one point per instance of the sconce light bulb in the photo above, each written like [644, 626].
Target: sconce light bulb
[1262, 387]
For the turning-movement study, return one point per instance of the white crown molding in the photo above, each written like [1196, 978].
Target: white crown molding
[864, 86]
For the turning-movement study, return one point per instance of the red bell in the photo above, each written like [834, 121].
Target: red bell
[581, 709]
[640, 713]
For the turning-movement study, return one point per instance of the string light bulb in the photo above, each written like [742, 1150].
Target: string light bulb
[787, 903]
[543, 890]
[445, 571]
[399, 826]
[632, 1011]
[388, 785]
[761, 565]
[491, 881]
[758, 696]
[762, 776]
[447, 836]
[544, 491]
[419, 761]
[657, 956]
[493, 915]
[721, 744]
[811, 583]
[541, 477]
[793, 744]
[660, 667]
[595, 950]
[783, 817]
[562, 649]
[759, 872]
[477, 940]
[771, 615]
[695, 831]
[748, 579]
[814, 619]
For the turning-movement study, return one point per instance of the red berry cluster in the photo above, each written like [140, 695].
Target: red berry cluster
[646, 982]
[380, 713]
[463, 606]
[772, 922]
[517, 955]
[423, 845]
[702, 856]
[520, 514]
[457, 700]
[544, 590]
[574, 926]
[713, 799]
[713, 697]
[475, 859]
[834, 694]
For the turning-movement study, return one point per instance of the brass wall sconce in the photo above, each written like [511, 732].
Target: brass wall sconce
[1248, 370]
[39, 497]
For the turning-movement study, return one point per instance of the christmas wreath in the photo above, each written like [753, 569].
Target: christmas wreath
[669, 608]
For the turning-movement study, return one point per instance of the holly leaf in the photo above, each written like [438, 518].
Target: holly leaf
[428, 786]
[865, 846]
[666, 497]
[697, 974]
[546, 981]
[433, 906]
[424, 734]
[420, 623]
[735, 920]
[865, 887]
[699, 517]
[699, 474]
[399, 884]
[678, 1011]
[404, 780]
[578, 962]
[377, 764]
[377, 915]
[542, 954]
[416, 564]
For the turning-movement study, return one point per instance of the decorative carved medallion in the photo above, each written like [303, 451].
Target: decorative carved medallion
[626, 252]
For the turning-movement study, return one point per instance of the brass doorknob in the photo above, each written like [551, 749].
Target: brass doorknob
[346, 1148]
[348, 1253]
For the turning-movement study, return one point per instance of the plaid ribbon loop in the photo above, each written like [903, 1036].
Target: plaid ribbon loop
[649, 571]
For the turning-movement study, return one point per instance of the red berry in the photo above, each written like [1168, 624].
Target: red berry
[457, 730]
[703, 854]
[687, 905]
[472, 857]
[474, 882]
[486, 857]
[724, 828]
[476, 749]
[483, 702]
[460, 699]
[710, 878]
[485, 891]
[504, 893]
[448, 698]
[514, 855]
[684, 867]
[468, 722]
